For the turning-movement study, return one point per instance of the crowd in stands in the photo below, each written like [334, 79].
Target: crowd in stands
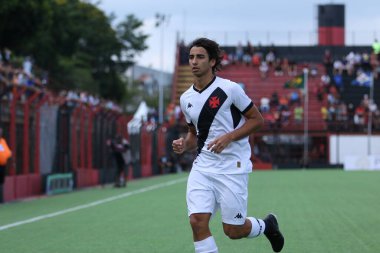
[23, 76]
[265, 60]
[343, 114]
[74, 97]
[281, 111]
[340, 114]
[19, 76]
[277, 111]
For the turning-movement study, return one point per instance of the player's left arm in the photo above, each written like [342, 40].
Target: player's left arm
[254, 121]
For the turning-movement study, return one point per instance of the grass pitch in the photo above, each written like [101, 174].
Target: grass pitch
[318, 211]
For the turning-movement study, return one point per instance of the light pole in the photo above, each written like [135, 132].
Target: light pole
[306, 119]
[161, 21]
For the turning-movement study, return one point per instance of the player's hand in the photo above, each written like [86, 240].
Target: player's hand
[179, 146]
[219, 143]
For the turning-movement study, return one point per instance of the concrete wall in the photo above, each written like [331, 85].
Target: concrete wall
[352, 145]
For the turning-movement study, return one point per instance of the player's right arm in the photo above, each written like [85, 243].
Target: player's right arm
[186, 144]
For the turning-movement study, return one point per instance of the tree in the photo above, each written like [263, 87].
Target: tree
[133, 41]
[74, 41]
[21, 22]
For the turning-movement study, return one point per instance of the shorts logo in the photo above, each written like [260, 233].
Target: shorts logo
[238, 216]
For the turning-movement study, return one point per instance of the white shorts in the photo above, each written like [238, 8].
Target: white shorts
[207, 192]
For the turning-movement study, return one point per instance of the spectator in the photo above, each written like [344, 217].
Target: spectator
[338, 80]
[277, 119]
[325, 82]
[264, 104]
[5, 154]
[121, 152]
[365, 101]
[225, 59]
[247, 59]
[376, 49]
[294, 98]
[331, 113]
[270, 58]
[331, 99]
[239, 52]
[341, 115]
[320, 93]
[263, 69]
[27, 65]
[327, 59]
[357, 60]
[292, 70]
[365, 64]
[285, 116]
[313, 70]
[298, 114]
[350, 115]
[7, 56]
[350, 62]
[337, 67]
[359, 117]
[285, 65]
[249, 48]
[324, 113]
[278, 68]
[274, 99]
[283, 103]
[256, 59]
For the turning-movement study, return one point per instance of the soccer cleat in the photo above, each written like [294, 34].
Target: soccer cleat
[272, 232]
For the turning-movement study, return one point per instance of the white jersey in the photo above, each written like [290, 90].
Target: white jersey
[216, 110]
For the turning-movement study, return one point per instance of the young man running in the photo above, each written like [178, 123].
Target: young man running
[220, 117]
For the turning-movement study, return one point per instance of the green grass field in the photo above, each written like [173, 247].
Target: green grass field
[318, 210]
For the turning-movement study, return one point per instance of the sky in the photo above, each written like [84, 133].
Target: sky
[292, 22]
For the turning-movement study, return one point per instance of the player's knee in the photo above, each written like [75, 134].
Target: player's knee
[232, 232]
[197, 224]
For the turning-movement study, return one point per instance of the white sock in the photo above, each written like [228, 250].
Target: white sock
[258, 227]
[207, 245]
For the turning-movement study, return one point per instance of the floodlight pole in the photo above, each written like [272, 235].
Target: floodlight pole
[161, 21]
[161, 82]
[369, 126]
[306, 120]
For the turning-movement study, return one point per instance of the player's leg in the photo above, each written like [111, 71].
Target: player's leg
[201, 205]
[254, 227]
[233, 195]
[203, 239]
[200, 225]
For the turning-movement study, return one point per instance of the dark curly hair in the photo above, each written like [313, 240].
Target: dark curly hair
[213, 50]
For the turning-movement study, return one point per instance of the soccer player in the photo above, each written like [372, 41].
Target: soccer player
[220, 117]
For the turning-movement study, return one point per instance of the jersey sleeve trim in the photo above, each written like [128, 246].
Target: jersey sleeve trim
[248, 107]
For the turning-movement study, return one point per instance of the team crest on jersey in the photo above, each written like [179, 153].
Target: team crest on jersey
[214, 102]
